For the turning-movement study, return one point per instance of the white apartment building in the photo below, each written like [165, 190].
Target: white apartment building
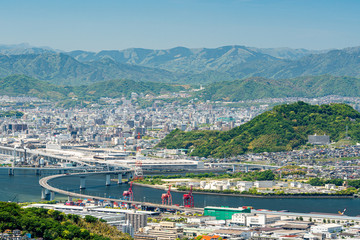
[264, 184]
[244, 185]
[253, 220]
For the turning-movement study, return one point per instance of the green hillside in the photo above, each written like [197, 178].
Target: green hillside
[20, 85]
[61, 69]
[119, 88]
[50, 224]
[256, 88]
[285, 127]
[17, 85]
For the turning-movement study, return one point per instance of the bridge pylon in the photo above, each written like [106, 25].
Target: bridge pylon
[82, 182]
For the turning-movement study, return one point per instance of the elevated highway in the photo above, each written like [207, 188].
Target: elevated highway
[53, 156]
[21, 152]
[44, 182]
[246, 166]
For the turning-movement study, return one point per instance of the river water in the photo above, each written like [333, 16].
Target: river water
[24, 187]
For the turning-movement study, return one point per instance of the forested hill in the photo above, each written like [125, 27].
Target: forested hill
[43, 223]
[257, 88]
[17, 85]
[284, 128]
[59, 68]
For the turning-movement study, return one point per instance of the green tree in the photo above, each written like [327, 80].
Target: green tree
[90, 219]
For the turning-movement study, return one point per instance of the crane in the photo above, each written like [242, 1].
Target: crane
[189, 199]
[129, 195]
[166, 197]
[342, 213]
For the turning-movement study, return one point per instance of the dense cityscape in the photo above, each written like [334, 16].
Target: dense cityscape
[179, 120]
[122, 137]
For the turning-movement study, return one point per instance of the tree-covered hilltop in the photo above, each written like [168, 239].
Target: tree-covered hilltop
[17, 85]
[257, 88]
[284, 128]
[21, 85]
[59, 68]
[119, 88]
[50, 224]
[16, 114]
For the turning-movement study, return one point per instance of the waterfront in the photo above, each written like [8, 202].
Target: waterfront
[24, 186]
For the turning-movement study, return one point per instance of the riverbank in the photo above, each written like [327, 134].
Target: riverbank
[161, 172]
[242, 195]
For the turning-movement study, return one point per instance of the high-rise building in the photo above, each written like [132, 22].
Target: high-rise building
[137, 220]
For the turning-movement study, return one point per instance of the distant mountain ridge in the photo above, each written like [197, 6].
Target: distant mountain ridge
[62, 69]
[196, 60]
[345, 62]
[176, 65]
[24, 48]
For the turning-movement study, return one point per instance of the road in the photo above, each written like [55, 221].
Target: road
[44, 182]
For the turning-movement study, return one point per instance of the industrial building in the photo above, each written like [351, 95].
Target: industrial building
[319, 139]
[224, 213]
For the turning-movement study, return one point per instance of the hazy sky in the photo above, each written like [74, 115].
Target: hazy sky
[161, 24]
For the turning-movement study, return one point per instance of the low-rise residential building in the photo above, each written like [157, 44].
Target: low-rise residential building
[326, 228]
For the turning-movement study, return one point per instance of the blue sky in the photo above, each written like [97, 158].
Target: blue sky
[161, 24]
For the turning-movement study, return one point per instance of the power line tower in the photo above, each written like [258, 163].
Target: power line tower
[346, 133]
[124, 144]
[138, 174]
[138, 170]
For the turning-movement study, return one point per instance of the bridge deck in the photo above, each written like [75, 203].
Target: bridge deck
[44, 183]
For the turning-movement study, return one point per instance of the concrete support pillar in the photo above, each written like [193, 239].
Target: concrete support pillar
[52, 195]
[246, 168]
[111, 204]
[96, 202]
[47, 191]
[70, 199]
[43, 194]
[82, 182]
[108, 180]
[119, 178]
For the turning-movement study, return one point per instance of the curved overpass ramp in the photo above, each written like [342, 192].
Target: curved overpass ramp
[44, 182]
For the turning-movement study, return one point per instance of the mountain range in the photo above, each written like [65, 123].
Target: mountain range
[176, 65]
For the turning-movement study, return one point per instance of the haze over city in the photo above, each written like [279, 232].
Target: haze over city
[100, 25]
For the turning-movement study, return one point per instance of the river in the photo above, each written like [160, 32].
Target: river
[24, 187]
